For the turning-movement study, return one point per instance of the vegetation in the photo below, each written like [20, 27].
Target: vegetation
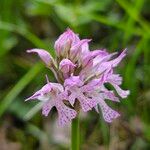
[112, 24]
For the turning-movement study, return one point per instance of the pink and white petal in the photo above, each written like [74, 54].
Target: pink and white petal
[57, 87]
[72, 98]
[115, 78]
[88, 57]
[34, 96]
[66, 65]
[76, 50]
[102, 59]
[42, 93]
[43, 54]
[92, 85]
[73, 81]
[109, 95]
[85, 47]
[101, 53]
[122, 93]
[47, 107]
[117, 60]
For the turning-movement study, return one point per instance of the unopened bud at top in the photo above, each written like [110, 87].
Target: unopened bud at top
[65, 42]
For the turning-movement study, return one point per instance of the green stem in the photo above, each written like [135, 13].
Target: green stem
[75, 137]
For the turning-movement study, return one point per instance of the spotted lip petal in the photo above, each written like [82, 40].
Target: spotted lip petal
[65, 114]
[43, 54]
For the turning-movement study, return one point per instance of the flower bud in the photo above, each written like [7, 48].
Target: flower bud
[65, 41]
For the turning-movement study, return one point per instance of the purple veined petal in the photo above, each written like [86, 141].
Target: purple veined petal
[85, 47]
[43, 54]
[106, 94]
[122, 93]
[66, 66]
[42, 94]
[102, 58]
[34, 96]
[67, 39]
[108, 114]
[88, 69]
[86, 59]
[65, 114]
[47, 107]
[110, 96]
[57, 87]
[77, 49]
[89, 56]
[96, 66]
[116, 61]
[101, 53]
[92, 85]
[73, 81]
[112, 63]
[115, 78]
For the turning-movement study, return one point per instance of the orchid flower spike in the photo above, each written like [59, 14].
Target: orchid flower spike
[82, 76]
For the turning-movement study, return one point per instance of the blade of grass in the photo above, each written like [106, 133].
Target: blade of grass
[26, 34]
[130, 25]
[22, 83]
[33, 111]
[128, 8]
[130, 78]
[119, 25]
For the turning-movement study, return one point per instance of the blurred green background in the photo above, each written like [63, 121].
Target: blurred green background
[112, 24]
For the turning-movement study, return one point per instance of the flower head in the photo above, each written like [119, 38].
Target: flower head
[82, 75]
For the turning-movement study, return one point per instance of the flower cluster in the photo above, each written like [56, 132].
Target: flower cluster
[82, 76]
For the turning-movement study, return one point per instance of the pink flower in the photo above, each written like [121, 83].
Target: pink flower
[76, 87]
[52, 95]
[81, 75]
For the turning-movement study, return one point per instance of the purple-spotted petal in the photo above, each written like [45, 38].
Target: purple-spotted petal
[65, 114]
[115, 79]
[87, 103]
[108, 114]
[44, 55]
